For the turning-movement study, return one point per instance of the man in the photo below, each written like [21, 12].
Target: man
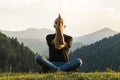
[59, 46]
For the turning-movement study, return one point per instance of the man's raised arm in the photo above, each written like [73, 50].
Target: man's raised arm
[59, 41]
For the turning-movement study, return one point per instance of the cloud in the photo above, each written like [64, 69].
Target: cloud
[16, 3]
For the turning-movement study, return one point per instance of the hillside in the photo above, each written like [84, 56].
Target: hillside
[96, 36]
[36, 45]
[76, 45]
[100, 55]
[15, 56]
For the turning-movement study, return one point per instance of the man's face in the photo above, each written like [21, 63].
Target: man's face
[59, 23]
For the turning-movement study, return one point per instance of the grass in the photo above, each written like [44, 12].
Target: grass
[61, 76]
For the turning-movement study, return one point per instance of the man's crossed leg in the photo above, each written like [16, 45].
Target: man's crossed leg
[72, 65]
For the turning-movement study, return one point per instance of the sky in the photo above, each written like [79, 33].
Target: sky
[80, 16]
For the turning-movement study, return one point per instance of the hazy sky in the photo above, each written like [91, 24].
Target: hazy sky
[81, 16]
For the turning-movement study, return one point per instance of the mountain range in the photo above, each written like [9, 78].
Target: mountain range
[35, 38]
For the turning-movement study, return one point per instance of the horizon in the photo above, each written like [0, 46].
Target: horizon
[65, 33]
[81, 16]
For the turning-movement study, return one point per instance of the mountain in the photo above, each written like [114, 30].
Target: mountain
[96, 36]
[100, 55]
[30, 33]
[15, 57]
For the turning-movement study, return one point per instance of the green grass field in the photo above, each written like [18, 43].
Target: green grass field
[61, 76]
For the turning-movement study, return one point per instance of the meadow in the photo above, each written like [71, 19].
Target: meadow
[61, 76]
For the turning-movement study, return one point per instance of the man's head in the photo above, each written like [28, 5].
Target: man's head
[59, 23]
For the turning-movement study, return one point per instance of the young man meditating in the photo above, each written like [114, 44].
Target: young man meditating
[59, 46]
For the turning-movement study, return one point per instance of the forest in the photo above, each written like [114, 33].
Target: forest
[16, 57]
[100, 55]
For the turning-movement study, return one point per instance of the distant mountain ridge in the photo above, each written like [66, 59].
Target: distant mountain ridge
[96, 36]
[30, 33]
[36, 38]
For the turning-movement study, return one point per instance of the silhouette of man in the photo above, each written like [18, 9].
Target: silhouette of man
[59, 46]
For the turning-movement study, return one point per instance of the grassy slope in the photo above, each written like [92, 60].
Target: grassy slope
[61, 76]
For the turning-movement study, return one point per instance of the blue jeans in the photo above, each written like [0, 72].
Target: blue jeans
[55, 66]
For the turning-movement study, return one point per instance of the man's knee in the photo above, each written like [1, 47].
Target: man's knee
[78, 61]
[37, 58]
